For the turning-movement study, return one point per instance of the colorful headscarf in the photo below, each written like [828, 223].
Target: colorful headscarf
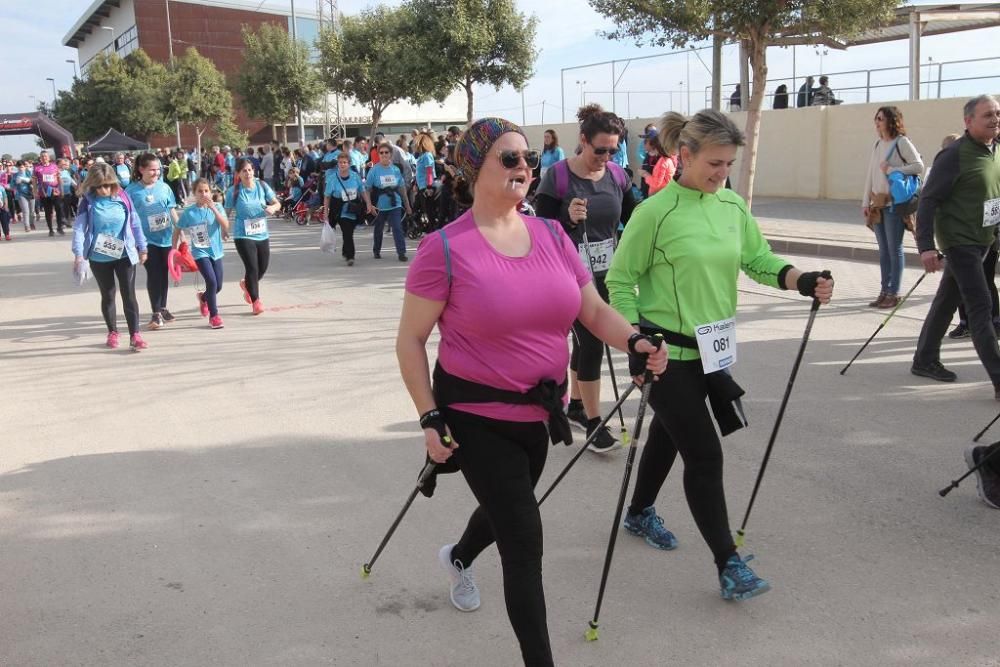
[474, 146]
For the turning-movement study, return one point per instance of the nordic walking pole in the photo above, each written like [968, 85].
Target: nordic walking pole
[647, 386]
[366, 569]
[986, 428]
[607, 349]
[583, 449]
[884, 322]
[741, 533]
[954, 485]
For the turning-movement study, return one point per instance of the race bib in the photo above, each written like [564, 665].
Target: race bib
[597, 254]
[199, 236]
[717, 344]
[158, 222]
[991, 213]
[387, 181]
[349, 195]
[49, 179]
[255, 226]
[109, 246]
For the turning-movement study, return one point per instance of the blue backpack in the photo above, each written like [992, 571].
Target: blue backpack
[903, 188]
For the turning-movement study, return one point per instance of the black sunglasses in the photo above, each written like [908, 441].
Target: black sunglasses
[512, 159]
[385, 152]
[606, 151]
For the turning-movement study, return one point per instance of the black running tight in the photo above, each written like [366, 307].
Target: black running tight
[106, 273]
[588, 350]
[501, 462]
[682, 423]
[157, 277]
[256, 255]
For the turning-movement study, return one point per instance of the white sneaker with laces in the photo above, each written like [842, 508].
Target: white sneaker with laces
[464, 592]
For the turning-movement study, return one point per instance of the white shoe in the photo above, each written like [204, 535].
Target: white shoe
[464, 592]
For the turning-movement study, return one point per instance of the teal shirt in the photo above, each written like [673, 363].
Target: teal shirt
[107, 217]
[345, 190]
[195, 216]
[153, 205]
[389, 180]
[249, 205]
[124, 174]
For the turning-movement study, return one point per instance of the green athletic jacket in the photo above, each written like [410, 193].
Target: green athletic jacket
[684, 249]
[965, 176]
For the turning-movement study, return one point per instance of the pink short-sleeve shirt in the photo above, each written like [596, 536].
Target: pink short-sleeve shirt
[506, 319]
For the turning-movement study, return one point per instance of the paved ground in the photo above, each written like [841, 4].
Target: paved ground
[210, 501]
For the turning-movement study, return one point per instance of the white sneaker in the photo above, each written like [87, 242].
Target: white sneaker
[464, 592]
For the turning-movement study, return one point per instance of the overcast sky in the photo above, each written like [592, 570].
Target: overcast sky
[567, 37]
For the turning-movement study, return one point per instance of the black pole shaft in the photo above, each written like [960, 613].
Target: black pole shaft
[614, 387]
[640, 414]
[781, 413]
[986, 428]
[424, 474]
[884, 322]
[583, 449]
[954, 484]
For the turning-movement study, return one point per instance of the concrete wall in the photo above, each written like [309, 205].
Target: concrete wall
[818, 152]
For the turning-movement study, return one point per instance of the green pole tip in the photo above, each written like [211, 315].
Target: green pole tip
[626, 438]
[591, 633]
[739, 539]
[365, 571]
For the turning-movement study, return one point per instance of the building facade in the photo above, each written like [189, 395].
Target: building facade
[214, 27]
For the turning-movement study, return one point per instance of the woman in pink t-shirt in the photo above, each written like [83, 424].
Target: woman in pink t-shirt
[503, 289]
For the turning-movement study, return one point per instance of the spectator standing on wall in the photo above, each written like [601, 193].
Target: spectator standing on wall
[780, 97]
[824, 95]
[806, 92]
[736, 100]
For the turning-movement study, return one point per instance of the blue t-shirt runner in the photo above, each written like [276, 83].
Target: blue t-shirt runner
[251, 218]
[153, 204]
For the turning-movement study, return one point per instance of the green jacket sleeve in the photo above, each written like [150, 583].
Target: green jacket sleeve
[631, 260]
[756, 258]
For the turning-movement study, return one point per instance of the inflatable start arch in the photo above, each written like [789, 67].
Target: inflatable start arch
[51, 132]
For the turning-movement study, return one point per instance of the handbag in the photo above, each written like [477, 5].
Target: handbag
[904, 188]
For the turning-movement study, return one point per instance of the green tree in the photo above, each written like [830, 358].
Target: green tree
[276, 76]
[196, 93]
[30, 156]
[368, 57]
[6, 156]
[757, 25]
[462, 43]
[123, 93]
[230, 134]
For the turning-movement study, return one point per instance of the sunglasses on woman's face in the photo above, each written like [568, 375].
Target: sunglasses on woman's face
[512, 159]
[606, 151]
[105, 185]
[385, 153]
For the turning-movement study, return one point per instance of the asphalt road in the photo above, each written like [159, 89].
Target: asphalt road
[210, 500]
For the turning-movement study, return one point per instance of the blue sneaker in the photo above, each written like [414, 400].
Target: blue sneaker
[650, 527]
[738, 581]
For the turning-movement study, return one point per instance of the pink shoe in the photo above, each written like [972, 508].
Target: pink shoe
[246, 294]
[258, 307]
[112, 341]
[202, 305]
[136, 343]
[216, 322]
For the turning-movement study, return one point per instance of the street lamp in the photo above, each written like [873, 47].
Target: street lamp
[49, 78]
[73, 63]
[581, 84]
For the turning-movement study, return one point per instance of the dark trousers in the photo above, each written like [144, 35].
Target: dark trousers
[52, 205]
[990, 271]
[106, 273]
[394, 218]
[962, 281]
[157, 277]
[5, 221]
[501, 462]
[211, 271]
[588, 350]
[256, 255]
[346, 228]
[682, 424]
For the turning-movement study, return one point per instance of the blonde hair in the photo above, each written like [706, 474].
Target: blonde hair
[424, 143]
[949, 140]
[706, 128]
[99, 174]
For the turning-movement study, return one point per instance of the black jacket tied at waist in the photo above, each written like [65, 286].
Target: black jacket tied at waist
[450, 389]
[723, 391]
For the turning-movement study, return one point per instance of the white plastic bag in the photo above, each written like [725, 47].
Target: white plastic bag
[328, 239]
[81, 274]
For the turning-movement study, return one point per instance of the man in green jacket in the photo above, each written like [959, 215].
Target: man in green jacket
[960, 206]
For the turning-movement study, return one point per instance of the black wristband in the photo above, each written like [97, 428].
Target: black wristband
[435, 420]
[632, 340]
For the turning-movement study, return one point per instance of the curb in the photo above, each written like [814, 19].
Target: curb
[836, 251]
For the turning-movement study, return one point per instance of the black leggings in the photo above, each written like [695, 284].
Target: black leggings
[256, 255]
[52, 204]
[501, 462]
[105, 274]
[682, 423]
[990, 271]
[5, 221]
[588, 349]
[157, 277]
[346, 228]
